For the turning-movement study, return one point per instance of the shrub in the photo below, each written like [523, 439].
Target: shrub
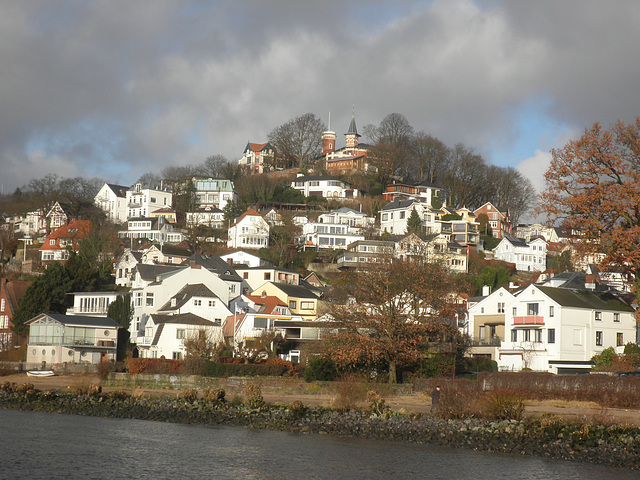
[116, 395]
[297, 409]
[153, 365]
[214, 395]
[350, 390]
[322, 369]
[104, 369]
[377, 405]
[189, 395]
[85, 388]
[215, 369]
[253, 396]
[504, 405]
[604, 359]
[458, 403]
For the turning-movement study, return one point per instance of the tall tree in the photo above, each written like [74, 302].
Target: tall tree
[392, 146]
[414, 223]
[593, 190]
[47, 294]
[121, 310]
[388, 314]
[429, 158]
[298, 142]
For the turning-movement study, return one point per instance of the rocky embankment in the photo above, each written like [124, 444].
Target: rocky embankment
[546, 436]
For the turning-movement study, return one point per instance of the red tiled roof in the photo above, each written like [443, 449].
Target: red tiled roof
[256, 147]
[75, 229]
[269, 301]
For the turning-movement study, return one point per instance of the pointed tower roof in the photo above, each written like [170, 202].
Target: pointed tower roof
[353, 130]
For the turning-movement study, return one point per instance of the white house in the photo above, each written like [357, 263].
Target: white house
[559, 330]
[257, 158]
[56, 217]
[208, 216]
[93, 304]
[249, 231]
[165, 335]
[144, 199]
[172, 254]
[214, 192]
[394, 216]
[112, 200]
[155, 285]
[244, 258]
[527, 256]
[324, 186]
[486, 322]
[58, 243]
[57, 339]
[437, 249]
[125, 266]
[361, 253]
[153, 229]
[256, 276]
[323, 236]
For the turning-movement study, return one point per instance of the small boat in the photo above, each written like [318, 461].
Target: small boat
[40, 373]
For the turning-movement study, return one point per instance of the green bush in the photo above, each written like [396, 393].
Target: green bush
[214, 369]
[322, 369]
[253, 396]
[604, 359]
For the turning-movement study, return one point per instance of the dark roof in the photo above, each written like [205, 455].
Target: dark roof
[399, 204]
[569, 297]
[353, 130]
[80, 320]
[516, 242]
[215, 265]
[150, 272]
[296, 291]
[182, 319]
[173, 250]
[186, 293]
[119, 190]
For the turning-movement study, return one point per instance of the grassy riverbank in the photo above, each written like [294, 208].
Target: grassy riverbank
[547, 435]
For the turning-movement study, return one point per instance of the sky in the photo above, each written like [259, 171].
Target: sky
[114, 89]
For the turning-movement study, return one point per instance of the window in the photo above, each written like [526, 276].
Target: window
[212, 303]
[245, 275]
[259, 322]
[514, 335]
[527, 335]
[176, 355]
[306, 305]
[598, 316]
[149, 299]
[619, 339]
[537, 336]
[500, 307]
[2, 305]
[402, 215]
[514, 311]
[197, 302]
[616, 317]
[598, 339]
[293, 305]
[551, 335]
[267, 276]
[481, 309]
[532, 309]
[217, 322]
[52, 241]
[180, 333]
[551, 312]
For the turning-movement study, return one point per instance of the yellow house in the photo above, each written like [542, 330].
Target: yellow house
[301, 300]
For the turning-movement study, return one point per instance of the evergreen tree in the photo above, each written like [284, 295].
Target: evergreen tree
[121, 311]
[48, 294]
[414, 223]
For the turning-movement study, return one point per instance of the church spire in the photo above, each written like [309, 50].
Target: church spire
[352, 135]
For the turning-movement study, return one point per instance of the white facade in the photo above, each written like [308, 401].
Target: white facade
[250, 231]
[142, 200]
[57, 339]
[257, 276]
[528, 257]
[244, 258]
[559, 330]
[112, 200]
[125, 267]
[327, 187]
[214, 192]
[154, 229]
[151, 294]
[93, 304]
[394, 216]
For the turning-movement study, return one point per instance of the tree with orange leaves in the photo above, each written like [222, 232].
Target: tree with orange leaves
[390, 313]
[593, 190]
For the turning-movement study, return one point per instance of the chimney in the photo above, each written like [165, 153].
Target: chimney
[486, 290]
[264, 294]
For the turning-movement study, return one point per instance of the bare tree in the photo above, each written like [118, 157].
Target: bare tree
[298, 142]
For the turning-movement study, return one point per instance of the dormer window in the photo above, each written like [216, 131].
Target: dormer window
[174, 302]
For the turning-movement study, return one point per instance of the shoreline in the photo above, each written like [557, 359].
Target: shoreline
[545, 436]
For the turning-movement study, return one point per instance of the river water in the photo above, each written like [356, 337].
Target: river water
[48, 446]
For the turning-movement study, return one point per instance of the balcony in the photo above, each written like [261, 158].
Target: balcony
[529, 320]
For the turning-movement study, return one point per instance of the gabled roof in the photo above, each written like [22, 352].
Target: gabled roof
[345, 210]
[75, 229]
[569, 297]
[181, 319]
[118, 190]
[249, 213]
[78, 320]
[399, 204]
[173, 250]
[14, 290]
[149, 272]
[270, 302]
[257, 147]
[295, 290]
[187, 293]
[215, 265]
